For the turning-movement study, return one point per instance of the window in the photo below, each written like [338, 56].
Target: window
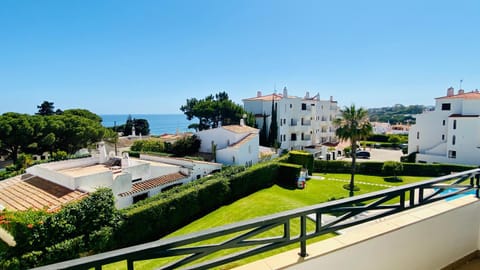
[418, 134]
[443, 137]
[291, 106]
[304, 107]
[140, 197]
[445, 106]
[454, 124]
[293, 137]
[453, 140]
[443, 123]
[452, 154]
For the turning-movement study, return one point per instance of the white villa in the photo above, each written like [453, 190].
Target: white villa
[302, 121]
[50, 185]
[234, 144]
[450, 133]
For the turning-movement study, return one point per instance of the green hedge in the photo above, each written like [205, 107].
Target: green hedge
[375, 168]
[302, 158]
[168, 211]
[288, 174]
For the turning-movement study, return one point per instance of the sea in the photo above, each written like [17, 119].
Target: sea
[159, 123]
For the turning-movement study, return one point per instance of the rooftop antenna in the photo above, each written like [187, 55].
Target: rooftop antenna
[275, 87]
[461, 83]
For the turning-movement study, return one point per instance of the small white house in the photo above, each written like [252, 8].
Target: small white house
[52, 184]
[233, 145]
[450, 133]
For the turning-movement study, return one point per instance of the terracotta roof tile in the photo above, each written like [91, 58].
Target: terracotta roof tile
[276, 97]
[468, 95]
[18, 194]
[240, 129]
[243, 141]
[152, 183]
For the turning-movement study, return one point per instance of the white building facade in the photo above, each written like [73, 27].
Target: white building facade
[450, 133]
[302, 121]
[234, 144]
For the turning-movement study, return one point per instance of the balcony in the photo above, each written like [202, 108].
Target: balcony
[432, 227]
[306, 122]
[293, 122]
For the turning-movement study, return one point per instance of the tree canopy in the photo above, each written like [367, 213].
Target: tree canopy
[141, 127]
[36, 134]
[213, 110]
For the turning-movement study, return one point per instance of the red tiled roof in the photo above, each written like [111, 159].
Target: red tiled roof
[276, 97]
[468, 95]
[244, 140]
[31, 192]
[240, 129]
[152, 183]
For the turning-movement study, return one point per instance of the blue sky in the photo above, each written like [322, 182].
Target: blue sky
[150, 56]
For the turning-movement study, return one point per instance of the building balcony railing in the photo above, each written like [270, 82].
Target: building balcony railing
[293, 122]
[306, 138]
[306, 122]
[345, 212]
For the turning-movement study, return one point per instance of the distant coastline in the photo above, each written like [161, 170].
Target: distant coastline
[159, 123]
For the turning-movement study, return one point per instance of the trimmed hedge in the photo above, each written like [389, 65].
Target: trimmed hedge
[375, 168]
[168, 211]
[288, 174]
[302, 158]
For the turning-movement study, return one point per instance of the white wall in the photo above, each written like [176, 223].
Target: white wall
[91, 182]
[219, 136]
[52, 176]
[432, 243]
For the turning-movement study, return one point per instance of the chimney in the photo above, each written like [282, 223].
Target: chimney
[285, 92]
[331, 98]
[259, 93]
[461, 91]
[450, 91]
[307, 95]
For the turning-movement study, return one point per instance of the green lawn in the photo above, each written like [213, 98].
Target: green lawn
[273, 200]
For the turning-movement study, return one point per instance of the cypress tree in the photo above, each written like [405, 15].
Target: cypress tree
[272, 135]
[263, 132]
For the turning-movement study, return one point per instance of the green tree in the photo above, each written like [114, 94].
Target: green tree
[213, 110]
[16, 134]
[353, 126]
[263, 132]
[46, 108]
[273, 132]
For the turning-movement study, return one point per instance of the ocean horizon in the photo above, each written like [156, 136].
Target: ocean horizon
[159, 123]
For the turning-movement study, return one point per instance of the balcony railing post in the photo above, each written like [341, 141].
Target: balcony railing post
[303, 234]
[130, 265]
[477, 185]
[318, 221]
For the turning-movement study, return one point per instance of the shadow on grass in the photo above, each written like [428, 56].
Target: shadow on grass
[393, 179]
[286, 186]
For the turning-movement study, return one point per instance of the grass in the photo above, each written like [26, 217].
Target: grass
[273, 200]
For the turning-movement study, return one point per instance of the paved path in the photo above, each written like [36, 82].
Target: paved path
[316, 177]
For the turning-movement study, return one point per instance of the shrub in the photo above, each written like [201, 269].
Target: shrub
[302, 158]
[392, 168]
[288, 174]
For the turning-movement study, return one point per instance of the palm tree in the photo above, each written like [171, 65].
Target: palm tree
[354, 126]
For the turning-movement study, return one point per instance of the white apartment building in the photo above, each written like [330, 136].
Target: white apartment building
[302, 121]
[450, 133]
